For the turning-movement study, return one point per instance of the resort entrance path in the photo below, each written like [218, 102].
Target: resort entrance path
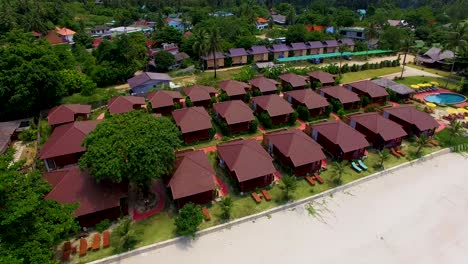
[414, 215]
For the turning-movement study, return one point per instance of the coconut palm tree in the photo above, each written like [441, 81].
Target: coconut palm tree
[214, 44]
[407, 43]
[338, 170]
[455, 130]
[342, 49]
[200, 44]
[371, 32]
[420, 143]
[456, 42]
[383, 156]
[289, 185]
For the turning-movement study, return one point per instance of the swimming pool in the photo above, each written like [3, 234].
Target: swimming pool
[445, 98]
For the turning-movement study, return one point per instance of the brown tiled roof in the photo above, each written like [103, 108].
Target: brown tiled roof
[53, 38]
[246, 158]
[342, 94]
[296, 145]
[421, 120]
[192, 119]
[199, 92]
[71, 185]
[233, 87]
[376, 123]
[234, 112]
[162, 98]
[273, 104]
[257, 50]
[264, 84]
[279, 48]
[66, 113]
[193, 175]
[123, 104]
[147, 76]
[323, 77]
[294, 79]
[237, 52]
[309, 98]
[67, 139]
[342, 135]
[372, 89]
[298, 46]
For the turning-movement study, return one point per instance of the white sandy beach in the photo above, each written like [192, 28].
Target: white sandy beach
[416, 215]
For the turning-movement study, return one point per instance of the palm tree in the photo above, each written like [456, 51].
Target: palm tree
[407, 43]
[226, 206]
[455, 130]
[370, 33]
[383, 156]
[214, 45]
[289, 184]
[342, 49]
[338, 170]
[420, 143]
[456, 42]
[200, 44]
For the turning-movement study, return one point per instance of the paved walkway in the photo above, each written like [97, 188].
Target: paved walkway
[416, 215]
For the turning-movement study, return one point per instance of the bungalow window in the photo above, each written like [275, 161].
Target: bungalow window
[359, 34]
[353, 124]
[322, 93]
[221, 163]
[50, 164]
[270, 148]
[385, 114]
[254, 105]
[290, 99]
[314, 134]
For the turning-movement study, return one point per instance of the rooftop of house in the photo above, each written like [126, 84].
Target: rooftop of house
[257, 50]
[273, 104]
[264, 84]
[340, 93]
[147, 76]
[67, 139]
[342, 135]
[279, 48]
[199, 92]
[370, 88]
[234, 112]
[309, 98]
[163, 98]
[233, 87]
[192, 119]
[66, 113]
[321, 76]
[423, 121]
[298, 46]
[124, 104]
[71, 185]
[193, 174]
[246, 158]
[294, 80]
[296, 145]
[376, 123]
[236, 52]
[396, 87]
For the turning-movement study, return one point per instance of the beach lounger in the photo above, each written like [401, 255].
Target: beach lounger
[66, 251]
[256, 197]
[310, 180]
[318, 178]
[433, 143]
[363, 166]
[206, 213]
[353, 164]
[105, 239]
[400, 151]
[396, 154]
[96, 241]
[83, 246]
[266, 195]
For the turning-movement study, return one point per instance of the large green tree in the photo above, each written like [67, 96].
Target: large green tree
[214, 45]
[30, 226]
[133, 147]
[163, 61]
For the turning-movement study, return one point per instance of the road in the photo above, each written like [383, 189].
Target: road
[416, 215]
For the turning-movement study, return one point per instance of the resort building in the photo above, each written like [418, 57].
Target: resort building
[68, 113]
[278, 109]
[347, 98]
[413, 121]
[200, 95]
[234, 89]
[293, 80]
[264, 85]
[213, 60]
[238, 56]
[194, 123]
[316, 103]
[280, 51]
[325, 78]
[125, 104]
[299, 49]
[236, 114]
[258, 53]
[146, 81]
[163, 101]
[315, 47]
[374, 92]
[403, 91]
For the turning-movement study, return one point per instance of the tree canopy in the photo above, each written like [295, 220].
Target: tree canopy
[163, 60]
[132, 147]
[30, 225]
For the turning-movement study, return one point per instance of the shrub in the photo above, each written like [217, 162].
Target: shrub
[370, 108]
[226, 207]
[336, 105]
[223, 97]
[253, 126]
[188, 102]
[317, 84]
[246, 73]
[224, 128]
[341, 113]
[177, 106]
[355, 68]
[213, 100]
[103, 225]
[365, 101]
[247, 97]
[303, 113]
[337, 81]
[257, 92]
[287, 88]
[328, 110]
[292, 118]
[265, 119]
[345, 68]
[188, 220]
[365, 66]
[28, 135]
[212, 133]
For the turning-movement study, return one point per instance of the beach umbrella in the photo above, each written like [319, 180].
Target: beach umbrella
[462, 110]
[415, 86]
[431, 104]
[466, 117]
[435, 83]
[452, 111]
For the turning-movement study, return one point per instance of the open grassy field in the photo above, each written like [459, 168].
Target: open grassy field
[452, 85]
[367, 74]
[101, 94]
[434, 71]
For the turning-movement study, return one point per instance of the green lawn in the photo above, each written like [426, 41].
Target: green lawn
[434, 71]
[96, 113]
[445, 140]
[101, 94]
[425, 79]
[360, 75]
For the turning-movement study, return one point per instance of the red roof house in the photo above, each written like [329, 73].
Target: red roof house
[192, 179]
[234, 89]
[194, 123]
[316, 103]
[200, 95]
[325, 78]
[379, 131]
[247, 163]
[414, 122]
[67, 113]
[236, 114]
[278, 109]
[349, 99]
[264, 85]
[338, 139]
[64, 147]
[293, 80]
[54, 39]
[124, 104]
[163, 101]
[238, 56]
[374, 92]
[299, 48]
[296, 150]
[259, 53]
[97, 201]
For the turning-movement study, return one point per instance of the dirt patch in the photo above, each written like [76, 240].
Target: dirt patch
[29, 153]
[122, 87]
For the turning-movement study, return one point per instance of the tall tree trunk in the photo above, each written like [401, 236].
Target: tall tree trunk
[215, 63]
[404, 63]
[451, 72]
[367, 51]
[339, 70]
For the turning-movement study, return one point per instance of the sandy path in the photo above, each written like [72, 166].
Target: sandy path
[416, 215]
